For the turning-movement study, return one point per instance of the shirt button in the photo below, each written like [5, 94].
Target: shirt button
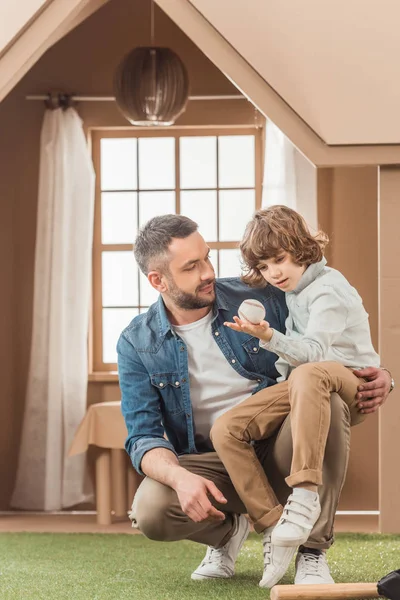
[259, 380]
[182, 348]
[216, 333]
[255, 349]
[176, 383]
[161, 384]
[183, 379]
[233, 361]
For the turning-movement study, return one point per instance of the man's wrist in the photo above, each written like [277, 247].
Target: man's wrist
[392, 384]
[175, 475]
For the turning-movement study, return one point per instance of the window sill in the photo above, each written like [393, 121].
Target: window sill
[103, 377]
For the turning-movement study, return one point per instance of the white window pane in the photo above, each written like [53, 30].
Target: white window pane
[157, 163]
[202, 208]
[214, 261]
[236, 160]
[118, 217]
[119, 279]
[118, 163]
[152, 204]
[229, 263]
[236, 208]
[114, 322]
[148, 295]
[198, 162]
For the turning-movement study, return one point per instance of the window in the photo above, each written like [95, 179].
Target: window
[211, 176]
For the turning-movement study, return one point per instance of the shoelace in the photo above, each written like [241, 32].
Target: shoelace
[216, 555]
[312, 563]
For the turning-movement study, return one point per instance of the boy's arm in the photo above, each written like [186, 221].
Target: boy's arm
[327, 321]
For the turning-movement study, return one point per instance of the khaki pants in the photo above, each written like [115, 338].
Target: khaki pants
[306, 396]
[157, 512]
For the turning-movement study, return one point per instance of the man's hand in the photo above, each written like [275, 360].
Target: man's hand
[374, 392]
[263, 331]
[193, 493]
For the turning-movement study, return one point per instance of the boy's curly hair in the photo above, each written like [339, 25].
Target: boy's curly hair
[273, 230]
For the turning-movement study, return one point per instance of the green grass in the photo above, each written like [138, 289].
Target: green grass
[115, 567]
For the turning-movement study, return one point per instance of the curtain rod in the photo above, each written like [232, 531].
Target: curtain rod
[112, 98]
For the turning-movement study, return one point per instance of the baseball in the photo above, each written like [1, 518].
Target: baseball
[252, 311]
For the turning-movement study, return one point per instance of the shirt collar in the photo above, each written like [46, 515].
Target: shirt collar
[309, 275]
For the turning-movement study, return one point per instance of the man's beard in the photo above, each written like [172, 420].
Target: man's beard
[188, 301]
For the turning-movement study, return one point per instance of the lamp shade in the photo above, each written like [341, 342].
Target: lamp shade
[151, 86]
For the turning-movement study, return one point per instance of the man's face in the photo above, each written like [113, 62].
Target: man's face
[282, 272]
[190, 279]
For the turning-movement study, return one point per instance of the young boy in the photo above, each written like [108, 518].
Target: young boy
[327, 335]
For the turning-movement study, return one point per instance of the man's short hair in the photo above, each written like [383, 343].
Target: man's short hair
[153, 240]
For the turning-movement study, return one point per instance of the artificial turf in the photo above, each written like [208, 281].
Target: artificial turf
[117, 567]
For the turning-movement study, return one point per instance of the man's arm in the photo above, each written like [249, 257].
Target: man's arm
[151, 454]
[140, 406]
[375, 391]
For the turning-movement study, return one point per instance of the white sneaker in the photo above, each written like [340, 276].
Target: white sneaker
[299, 516]
[312, 567]
[276, 560]
[219, 563]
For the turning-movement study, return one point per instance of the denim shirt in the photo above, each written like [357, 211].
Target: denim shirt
[154, 376]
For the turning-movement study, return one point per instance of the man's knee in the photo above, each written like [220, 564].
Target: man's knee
[151, 510]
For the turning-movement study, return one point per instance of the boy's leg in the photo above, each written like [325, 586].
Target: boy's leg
[256, 418]
[276, 457]
[310, 387]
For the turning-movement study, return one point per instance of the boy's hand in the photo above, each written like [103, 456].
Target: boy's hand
[263, 331]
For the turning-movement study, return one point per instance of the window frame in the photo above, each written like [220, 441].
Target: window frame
[98, 370]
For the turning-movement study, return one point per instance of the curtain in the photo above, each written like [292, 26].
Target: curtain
[289, 177]
[47, 479]
[279, 183]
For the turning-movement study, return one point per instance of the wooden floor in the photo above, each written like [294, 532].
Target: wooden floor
[86, 523]
[61, 523]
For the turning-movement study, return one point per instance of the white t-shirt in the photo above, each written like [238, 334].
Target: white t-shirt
[215, 386]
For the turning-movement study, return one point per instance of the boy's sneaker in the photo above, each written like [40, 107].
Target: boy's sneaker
[312, 567]
[219, 563]
[276, 560]
[299, 516]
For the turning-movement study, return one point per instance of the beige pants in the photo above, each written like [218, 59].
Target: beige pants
[306, 396]
[158, 514]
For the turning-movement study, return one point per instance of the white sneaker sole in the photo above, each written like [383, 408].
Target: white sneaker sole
[199, 577]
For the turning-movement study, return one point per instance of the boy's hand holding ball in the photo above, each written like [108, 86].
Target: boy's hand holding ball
[251, 320]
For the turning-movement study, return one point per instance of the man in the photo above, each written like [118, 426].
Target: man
[179, 369]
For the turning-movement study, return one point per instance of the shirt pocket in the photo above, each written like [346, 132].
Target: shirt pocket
[252, 349]
[169, 388]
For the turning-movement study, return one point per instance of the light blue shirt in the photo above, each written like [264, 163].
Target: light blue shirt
[326, 322]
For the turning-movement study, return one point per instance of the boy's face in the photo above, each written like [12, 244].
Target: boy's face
[282, 272]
